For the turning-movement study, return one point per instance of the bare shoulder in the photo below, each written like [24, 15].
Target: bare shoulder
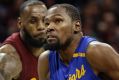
[44, 56]
[99, 45]
[43, 66]
[9, 49]
[101, 48]
[102, 56]
[10, 63]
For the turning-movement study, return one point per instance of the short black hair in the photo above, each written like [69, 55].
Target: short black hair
[29, 3]
[72, 11]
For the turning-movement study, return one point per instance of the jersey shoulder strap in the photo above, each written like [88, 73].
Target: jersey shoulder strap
[83, 44]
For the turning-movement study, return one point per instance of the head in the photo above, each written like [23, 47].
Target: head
[62, 25]
[31, 22]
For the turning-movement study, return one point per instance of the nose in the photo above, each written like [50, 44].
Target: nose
[50, 28]
[40, 27]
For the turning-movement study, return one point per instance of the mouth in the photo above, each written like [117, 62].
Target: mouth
[51, 38]
[40, 34]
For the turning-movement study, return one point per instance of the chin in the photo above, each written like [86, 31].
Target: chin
[52, 46]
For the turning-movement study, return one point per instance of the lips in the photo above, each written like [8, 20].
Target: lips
[39, 34]
[51, 38]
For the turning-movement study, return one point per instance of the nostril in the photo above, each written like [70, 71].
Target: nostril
[49, 30]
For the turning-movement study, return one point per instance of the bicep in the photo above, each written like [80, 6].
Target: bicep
[105, 59]
[43, 66]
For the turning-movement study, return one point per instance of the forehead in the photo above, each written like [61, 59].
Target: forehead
[56, 11]
[35, 10]
[38, 8]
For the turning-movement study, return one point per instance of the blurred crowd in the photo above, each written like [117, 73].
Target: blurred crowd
[100, 18]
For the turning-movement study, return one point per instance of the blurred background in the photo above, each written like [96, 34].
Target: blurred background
[100, 18]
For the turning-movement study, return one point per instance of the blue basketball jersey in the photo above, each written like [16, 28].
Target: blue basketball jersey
[78, 68]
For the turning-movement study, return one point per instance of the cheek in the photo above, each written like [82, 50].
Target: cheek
[31, 29]
[64, 31]
[64, 34]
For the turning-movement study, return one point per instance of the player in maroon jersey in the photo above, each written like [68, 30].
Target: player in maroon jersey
[19, 52]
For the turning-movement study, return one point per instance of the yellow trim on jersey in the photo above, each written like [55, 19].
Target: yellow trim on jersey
[78, 75]
[79, 55]
[33, 78]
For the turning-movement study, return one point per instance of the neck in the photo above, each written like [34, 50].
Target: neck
[66, 55]
[37, 51]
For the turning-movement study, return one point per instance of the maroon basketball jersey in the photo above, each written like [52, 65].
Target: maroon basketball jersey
[29, 62]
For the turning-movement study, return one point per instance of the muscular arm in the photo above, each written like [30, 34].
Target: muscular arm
[103, 58]
[43, 66]
[10, 65]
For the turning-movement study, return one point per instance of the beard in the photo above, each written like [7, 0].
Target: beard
[58, 46]
[29, 40]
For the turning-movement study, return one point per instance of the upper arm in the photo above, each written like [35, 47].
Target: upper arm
[104, 58]
[43, 66]
[10, 64]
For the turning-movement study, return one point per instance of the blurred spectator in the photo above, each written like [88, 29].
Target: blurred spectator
[106, 25]
[108, 4]
[90, 17]
[3, 17]
[8, 16]
[12, 26]
[107, 28]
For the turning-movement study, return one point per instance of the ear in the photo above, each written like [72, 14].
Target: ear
[77, 27]
[19, 23]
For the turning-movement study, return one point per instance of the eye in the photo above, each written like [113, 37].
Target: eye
[33, 20]
[46, 24]
[57, 21]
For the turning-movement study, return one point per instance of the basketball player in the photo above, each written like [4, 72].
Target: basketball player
[19, 53]
[72, 55]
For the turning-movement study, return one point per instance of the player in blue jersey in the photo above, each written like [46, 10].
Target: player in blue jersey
[73, 56]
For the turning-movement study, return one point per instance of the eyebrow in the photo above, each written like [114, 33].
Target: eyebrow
[32, 17]
[55, 16]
